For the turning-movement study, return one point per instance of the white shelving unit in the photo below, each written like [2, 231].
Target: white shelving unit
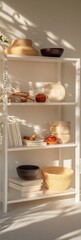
[64, 108]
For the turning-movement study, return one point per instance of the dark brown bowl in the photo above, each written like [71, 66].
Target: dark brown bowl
[28, 172]
[52, 52]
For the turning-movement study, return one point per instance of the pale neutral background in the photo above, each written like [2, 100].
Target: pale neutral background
[49, 23]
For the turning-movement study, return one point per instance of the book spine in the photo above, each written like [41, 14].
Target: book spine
[24, 189]
[10, 140]
[13, 133]
[18, 133]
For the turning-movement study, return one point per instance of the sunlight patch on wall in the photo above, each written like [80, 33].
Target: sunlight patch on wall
[22, 20]
[51, 35]
[52, 41]
[13, 24]
[67, 44]
[4, 16]
[52, 38]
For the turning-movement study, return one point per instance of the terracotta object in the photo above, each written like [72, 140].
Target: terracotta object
[40, 97]
[50, 139]
[21, 47]
[19, 97]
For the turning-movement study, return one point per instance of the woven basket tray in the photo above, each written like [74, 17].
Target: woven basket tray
[57, 178]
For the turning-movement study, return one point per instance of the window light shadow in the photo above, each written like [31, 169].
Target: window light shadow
[19, 24]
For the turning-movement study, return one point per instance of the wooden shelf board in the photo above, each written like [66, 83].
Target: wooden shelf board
[37, 58]
[43, 104]
[14, 195]
[24, 148]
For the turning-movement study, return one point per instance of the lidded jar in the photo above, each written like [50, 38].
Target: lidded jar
[21, 47]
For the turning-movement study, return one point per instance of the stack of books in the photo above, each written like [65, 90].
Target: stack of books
[26, 188]
[14, 134]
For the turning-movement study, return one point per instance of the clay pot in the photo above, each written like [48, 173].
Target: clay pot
[50, 139]
[21, 47]
[40, 97]
[28, 172]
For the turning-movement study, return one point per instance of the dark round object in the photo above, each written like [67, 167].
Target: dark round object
[40, 97]
[27, 172]
[52, 52]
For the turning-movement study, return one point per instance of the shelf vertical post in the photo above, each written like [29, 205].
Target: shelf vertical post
[59, 109]
[5, 139]
[77, 131]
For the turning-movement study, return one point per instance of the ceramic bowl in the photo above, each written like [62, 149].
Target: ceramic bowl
[52, 52]
[27, 172]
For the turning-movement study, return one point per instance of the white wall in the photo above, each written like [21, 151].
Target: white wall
[49, 23]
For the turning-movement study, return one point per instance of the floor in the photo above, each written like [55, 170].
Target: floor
[42, 220]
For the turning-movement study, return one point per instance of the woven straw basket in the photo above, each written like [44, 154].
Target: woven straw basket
[57, 178]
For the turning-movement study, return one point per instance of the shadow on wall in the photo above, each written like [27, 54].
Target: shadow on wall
[48, 23]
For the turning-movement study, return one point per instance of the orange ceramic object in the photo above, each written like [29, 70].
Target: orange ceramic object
[40, 97]
[50, 139]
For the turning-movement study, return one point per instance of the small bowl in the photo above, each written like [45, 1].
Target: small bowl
[28, 172]
[52, 52]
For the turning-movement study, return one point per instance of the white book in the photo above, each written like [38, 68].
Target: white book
[24, 183]
[18, 133]
[31, 194]
[10, 140]
[26, 194]
[13, 133]
[25, 189]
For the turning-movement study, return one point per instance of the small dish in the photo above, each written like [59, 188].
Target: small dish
[33, 143]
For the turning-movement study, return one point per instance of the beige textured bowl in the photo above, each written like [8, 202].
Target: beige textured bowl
[63, 138]
[57, 178]
[21, 47]
[60, 129]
